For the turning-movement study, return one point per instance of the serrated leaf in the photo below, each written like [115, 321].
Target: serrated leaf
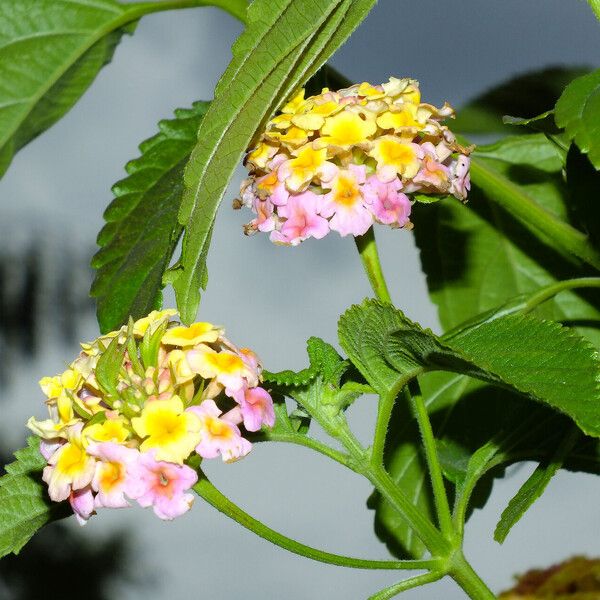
[595, 4]
[540, 359]
[24, 504]
[476, 258]
[527, 95]
[286, 41]
[289, 378]
[533, 488]
[578, 112]
[361, 331]
[142, 230]
[50, 53]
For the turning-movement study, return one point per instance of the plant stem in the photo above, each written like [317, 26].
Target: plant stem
[307, 442]
[434, 541]
[440, 497]
[384, 412]
[407, 584]
[236, 8]
[534, 217]
[552, 290]
[213, 496]
[367, 248]
[462, 572]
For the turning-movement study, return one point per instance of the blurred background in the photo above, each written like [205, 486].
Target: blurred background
[269, 298]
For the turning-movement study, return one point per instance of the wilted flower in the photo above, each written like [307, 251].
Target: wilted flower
[137, 403]
[341, 161]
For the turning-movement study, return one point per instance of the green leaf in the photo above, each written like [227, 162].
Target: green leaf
[528, 94]
[476, 257]
[389, 350]
[109, 365]
[595, 4]
[578, 112]
[544, 122]
[142, 230]
[50, 53]
[24, 504]
[540, 359]
[362, 331]
[285, 43]
[530, 491]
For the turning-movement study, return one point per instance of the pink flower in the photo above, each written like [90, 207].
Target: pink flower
[460, 182]
[256, 407]
[82, 503]
[112, 478]
[302, 220]
[432, 173]
[345, 203]
[386, 202]
[219, 436]
[162, 485]
[264, 215]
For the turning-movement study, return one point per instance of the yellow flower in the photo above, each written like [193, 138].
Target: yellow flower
[293, 137]
[228, 368]
[72, 468]
[53, 387]
[196, 333]
[370, 91]
[346, 129]
[112, 430]
[395, 157]
[304, 167]
[295, 104]
[168, 429]
[261, 155]
[408, 115]
[180, 368]
[153, 320]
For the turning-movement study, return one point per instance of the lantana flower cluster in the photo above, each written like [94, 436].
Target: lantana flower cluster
[136, 404]
[341, 161]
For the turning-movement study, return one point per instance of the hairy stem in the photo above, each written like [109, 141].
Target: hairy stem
[550, 291]
[462, 572]
[384, 412]
[308, 442]
[213, 496]
[367, 248]
[407, 584]
[440, 496]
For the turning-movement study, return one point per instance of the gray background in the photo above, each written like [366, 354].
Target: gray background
[273, 299]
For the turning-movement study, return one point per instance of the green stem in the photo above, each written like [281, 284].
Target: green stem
[550, 291]
[213, 496]
[407, 584]
[435, 542]
[307, 442]
[236, 8]
[367, 248]
[462, 572]
[384, 412]
[534, 217]
[440, 496]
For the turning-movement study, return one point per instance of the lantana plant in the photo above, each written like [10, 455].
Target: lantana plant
[509, 242]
